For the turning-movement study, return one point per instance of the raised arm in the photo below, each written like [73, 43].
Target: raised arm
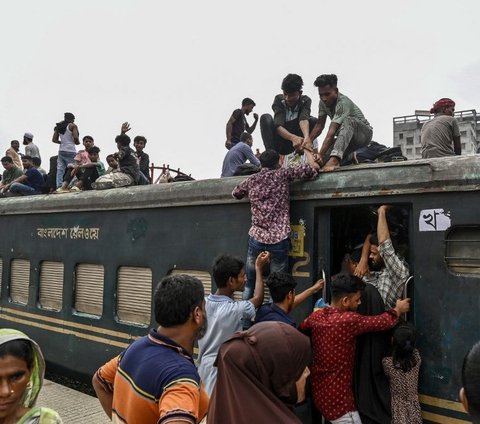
[301, 297]
[362, 267]
[251, 128]
[262, 260]
[383, 233]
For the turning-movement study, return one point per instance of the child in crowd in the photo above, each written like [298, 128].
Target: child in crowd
[112, 164]
[333, 331]
[90, 171]
[402, 370]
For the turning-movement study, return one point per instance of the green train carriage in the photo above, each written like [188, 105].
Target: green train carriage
[78, 270]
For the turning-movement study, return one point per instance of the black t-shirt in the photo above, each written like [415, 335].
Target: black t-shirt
[128, 162]
[238, 126]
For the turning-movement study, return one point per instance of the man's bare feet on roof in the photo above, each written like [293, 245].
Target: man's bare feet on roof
[332, 164]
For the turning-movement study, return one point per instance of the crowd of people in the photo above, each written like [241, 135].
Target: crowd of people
[253, 361]
[72, 169]
[292, 130]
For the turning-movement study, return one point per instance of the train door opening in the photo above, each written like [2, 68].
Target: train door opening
[343, 230]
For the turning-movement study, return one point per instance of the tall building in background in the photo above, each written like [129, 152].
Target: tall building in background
[406, 132]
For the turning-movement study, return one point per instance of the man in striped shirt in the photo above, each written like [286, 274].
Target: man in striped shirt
[155, 380]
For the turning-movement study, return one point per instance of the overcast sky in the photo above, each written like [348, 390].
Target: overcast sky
[177, 70]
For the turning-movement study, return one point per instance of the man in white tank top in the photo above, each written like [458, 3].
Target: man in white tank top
[66, 134]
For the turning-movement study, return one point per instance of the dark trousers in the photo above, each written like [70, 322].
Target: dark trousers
[272, 140]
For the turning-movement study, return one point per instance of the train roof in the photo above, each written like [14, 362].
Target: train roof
[460, 173]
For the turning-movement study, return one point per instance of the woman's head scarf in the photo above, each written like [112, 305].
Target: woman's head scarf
[257, 374]
[38, 365]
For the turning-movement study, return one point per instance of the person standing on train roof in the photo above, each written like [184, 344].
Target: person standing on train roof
[224, 314]
[470, 391]
[269, 196]
[155, 379]
[31, 149]
[238, 155]
[282, 291]
[13, 152]
[333, 331]
[66, 134]
[237, 123]
[441, 136]
[291, 123]
[348, 130]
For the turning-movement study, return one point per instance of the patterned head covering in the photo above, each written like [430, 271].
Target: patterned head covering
[442, 104]
[38, 366]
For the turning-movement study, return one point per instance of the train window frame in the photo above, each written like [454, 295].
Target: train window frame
[452, 261]
[89, 309]
[142, 293]
[201, 275]
[52, 275]
[20, 273]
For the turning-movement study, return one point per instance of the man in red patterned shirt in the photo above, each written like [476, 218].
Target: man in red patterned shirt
[333, 331]
[269, 195]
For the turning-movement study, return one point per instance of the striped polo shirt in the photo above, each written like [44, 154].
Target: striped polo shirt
[154, 381]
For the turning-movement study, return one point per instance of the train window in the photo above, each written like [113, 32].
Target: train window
[266, 294]
[134, 295]
[462, 252]
[89, 289]
[19, 281]
[51, 285]
[203, 276]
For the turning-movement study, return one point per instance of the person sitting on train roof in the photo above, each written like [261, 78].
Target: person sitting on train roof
[73, 169]
[348, 130]
[390, 271]
[441, 136]
[139, 142]
[291, 123]
[129, 171]
[333, 331]
[470, 391]
[238, 155]
[225, 314]
[10, 174]
[262, 375]
[89, 172]
[37, 163]
[282, 291]
[237, 123]
[22, 369]
[112, 164]
[29, 183]
[13, 152]
[160, 366]
[269, 196]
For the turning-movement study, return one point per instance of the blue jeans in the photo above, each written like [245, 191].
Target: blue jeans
[278, 261]
[22, 189]
[64, 158]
